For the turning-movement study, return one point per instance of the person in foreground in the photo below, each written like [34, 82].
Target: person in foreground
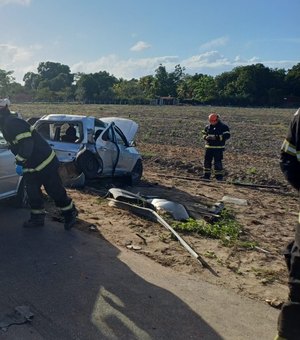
[215, 134]
[289, 317]
[38, 164]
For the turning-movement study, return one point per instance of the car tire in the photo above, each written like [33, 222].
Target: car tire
[87, 163]
[21, 200]
[137, 172]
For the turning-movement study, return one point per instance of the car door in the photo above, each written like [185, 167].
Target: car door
[53, 131]
[9, 180]
[107, 149]
[127, 157]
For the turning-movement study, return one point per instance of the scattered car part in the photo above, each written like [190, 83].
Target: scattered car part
[177, 210]
[20, 315]
[127, 196]
[234, 200]
[149, 213]
[253, 185]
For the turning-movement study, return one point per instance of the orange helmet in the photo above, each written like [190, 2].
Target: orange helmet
[213, 118]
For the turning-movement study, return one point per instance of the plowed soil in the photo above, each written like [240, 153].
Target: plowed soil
[169, 139]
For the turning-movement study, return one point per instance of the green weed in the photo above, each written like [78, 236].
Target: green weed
[251, 171]
[267, 275]
[227, 229]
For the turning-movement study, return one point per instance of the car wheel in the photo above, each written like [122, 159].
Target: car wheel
[21, 200]
[137, 172]
[87, 163]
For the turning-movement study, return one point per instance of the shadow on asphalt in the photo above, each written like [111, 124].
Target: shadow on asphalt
[77, 288]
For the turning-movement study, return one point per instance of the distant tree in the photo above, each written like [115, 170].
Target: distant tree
[147, 84]
[87, 88]
[96, 87]
[129, 90]
[205, 89]
[6, 79]
[165, 84]
[49, 70]
[45, 94]
[31, 80]
[293, 80]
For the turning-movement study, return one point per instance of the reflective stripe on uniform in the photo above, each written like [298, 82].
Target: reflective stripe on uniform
[68, 207]
[42, 165]
[37, 211]
[288, 148]
[20, 159]
[21, 136]
[214, 147]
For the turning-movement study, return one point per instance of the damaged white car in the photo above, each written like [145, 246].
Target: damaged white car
[11, 185]
[94, 147]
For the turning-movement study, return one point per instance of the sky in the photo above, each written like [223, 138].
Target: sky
[131, 38]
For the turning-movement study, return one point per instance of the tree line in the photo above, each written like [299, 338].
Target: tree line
[252, 85]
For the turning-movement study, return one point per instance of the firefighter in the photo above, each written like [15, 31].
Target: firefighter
[289, 317]
[38, 164]
[215, 134]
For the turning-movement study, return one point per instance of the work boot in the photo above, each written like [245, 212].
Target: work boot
[219, 178]
[70, 218]
[35, 221]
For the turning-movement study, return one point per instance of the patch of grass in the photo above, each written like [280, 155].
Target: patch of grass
[267, 275]
[247, 244]
[148, 155]
[101, 201]
[227, 229]
[251, 171]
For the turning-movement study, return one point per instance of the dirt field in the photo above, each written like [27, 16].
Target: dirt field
[169, 139]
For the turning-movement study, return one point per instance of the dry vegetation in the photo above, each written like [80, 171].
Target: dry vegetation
[169, 139]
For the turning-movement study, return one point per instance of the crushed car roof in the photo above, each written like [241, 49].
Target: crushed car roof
[127, 126]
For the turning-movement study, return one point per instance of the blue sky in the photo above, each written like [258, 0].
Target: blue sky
[131, 38]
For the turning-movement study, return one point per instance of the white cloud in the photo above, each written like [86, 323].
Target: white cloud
[140, 46]
[222, 41]
[125, 68]
[18, 59]
[210, 59]
[11, 54]
[18, 2]
[214, 63]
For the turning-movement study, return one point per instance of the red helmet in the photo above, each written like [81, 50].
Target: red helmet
[213, 118]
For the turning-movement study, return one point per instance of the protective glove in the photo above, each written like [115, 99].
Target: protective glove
[19, 170]
[210, 137]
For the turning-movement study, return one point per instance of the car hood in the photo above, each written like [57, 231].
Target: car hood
[127, 126]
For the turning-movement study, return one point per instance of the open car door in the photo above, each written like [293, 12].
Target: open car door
[107, 149]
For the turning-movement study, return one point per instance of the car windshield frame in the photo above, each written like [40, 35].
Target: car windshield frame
[55, 131]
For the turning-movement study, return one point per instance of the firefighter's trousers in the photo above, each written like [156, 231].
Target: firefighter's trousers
[50, 179]
[289, 318]
[213, 155]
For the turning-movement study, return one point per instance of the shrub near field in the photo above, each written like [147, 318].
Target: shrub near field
[170, 136]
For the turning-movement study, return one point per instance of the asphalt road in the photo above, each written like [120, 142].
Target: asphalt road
[79, 286]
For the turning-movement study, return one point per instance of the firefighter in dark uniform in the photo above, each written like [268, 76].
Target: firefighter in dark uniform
[289, 318]
[38, 164]
[215, 134]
